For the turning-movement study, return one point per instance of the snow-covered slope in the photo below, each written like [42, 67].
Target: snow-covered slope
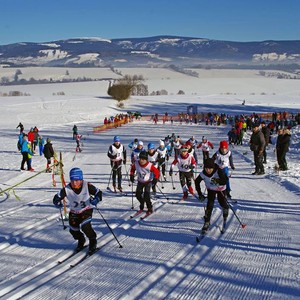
[160, 258]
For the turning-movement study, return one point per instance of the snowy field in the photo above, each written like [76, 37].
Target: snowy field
[160, 258]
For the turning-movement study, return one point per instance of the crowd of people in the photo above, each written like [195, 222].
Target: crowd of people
[149, 165]
[32, 143]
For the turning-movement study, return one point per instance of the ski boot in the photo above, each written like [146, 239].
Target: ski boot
[205, 228]
[92, 246]
[185, 196]
[80, 244]
[191, 190]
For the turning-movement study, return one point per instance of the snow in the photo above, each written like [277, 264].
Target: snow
[160, 258]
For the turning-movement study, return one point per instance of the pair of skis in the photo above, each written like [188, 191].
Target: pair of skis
[139, 213]
[203, 233]
[74, 253]
[116, 191]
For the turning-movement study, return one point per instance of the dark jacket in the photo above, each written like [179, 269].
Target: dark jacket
[257, 141]
[48, 150]
[283, 142]
[266, 132]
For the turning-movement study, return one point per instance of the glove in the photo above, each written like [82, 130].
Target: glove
[171, 172]
[94, 201]
[132, 178]
[192, 167]
[154, 181]
[215, 181]
[57, 201]
[124, 161]
[167, 157]
[201, 197]
[260, 153]
[233, 168]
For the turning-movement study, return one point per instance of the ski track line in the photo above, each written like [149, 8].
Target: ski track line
[28, 280]
[152, 286]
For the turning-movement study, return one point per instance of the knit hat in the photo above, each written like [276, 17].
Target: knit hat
[143, 155]
[117, 139]
[140, 143]
[76, 174]
[209, 163]
[184, 148]
[224, 144]
[48, 140]
[151, 146]
[161, 143]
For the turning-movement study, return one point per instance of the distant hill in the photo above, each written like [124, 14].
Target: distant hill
[158, 51]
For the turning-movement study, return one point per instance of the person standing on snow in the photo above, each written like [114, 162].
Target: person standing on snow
[282, 147]
[186, 163]
[78, 138]
[205, 145]
[215, 182]
[48, 153]
[21, 127]
[75, 131]
[26, 154]
[257, 145]
[266, 132]
[117, 154]
[82, 196]
[223, 158]
[147, 176]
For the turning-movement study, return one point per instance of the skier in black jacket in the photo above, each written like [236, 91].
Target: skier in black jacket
[215, 181]
[48, 153]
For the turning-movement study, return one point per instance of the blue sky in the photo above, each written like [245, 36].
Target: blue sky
[231, 20]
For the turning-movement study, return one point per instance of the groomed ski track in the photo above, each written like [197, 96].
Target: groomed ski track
[160, 258]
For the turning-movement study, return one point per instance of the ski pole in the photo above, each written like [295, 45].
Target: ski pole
[108, 227]
[162, 193]
[109, 179]
[172, 182]
[129, 183]
[62, 219]
[132, 207]
[243, 225]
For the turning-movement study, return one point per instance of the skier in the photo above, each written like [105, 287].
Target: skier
[75, 132]
[133, 145]
[223, 158]
[78, 138]
[117, 155]
[205, 145]
[136, 152]
[257, 145]
[177, 145]
[147, 176]
[82, 196]
[21, 126]
[162, 156]
[48, 153]
[215, 181]
[153, 158]
[191, 150]
[186, 163]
